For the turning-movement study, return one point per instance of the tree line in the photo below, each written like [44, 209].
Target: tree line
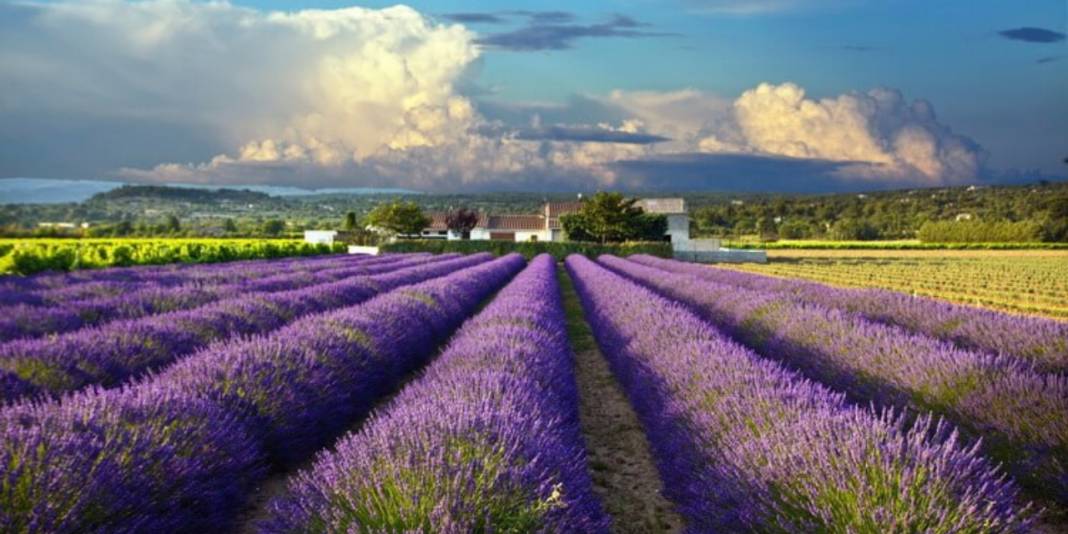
[1030, 213]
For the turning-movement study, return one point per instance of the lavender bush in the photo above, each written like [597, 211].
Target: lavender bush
[1021, 414]
[1043, 341]
[201, 275]
[172, 273]
[198, 278]
[145, 459]
[176, 452]
[115, 352]
[321, 370]
[486, 440]
[745, 445]
[23, 321]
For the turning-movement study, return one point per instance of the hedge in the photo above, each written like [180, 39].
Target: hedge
[980, 231]
[28, 256]
[558, 249]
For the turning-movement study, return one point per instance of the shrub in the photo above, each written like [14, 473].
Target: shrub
[980, 232]
[529, 249]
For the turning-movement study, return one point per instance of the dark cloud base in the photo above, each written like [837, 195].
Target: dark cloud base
[727, 173]
[1032, 35]
[541, 34]
[734, 173]
[747, 173]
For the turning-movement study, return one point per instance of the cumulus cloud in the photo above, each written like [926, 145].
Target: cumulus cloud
[889, 135]
[372, 98]
[309, 87]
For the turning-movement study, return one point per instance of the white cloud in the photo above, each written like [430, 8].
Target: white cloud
[314, 86]
[879, 132]
[878, 128]
[366, 97]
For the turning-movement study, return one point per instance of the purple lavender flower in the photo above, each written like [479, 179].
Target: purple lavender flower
[1031, 339]
[1021, 414]
[177, 452]
[743, 444]
[486, 440]
[146, 459]
[23, 321]
[115, 352]
[173, 273]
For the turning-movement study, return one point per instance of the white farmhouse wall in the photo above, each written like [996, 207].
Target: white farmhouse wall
[324, 237]
[357, 249]
[525, 235]
[678, 227]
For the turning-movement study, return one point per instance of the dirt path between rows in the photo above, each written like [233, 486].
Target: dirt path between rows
[619, 459]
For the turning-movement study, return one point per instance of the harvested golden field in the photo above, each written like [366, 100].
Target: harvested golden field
[1022, 281]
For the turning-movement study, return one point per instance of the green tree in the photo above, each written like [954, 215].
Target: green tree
[648, 227]
[274, 227]
[767, 229]
[173, 225]
[611, 217]
[123, 228]
[229, 226]
[397, 217]
[351, 222]
[792, 229]
[850, 229]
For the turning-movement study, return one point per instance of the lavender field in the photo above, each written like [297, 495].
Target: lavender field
[468, 393]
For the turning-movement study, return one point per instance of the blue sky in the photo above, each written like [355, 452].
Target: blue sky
[993, 76]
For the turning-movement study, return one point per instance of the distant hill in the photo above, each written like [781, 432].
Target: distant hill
[1035, 212]
[61, 191]
[179, 194]
[50, 191]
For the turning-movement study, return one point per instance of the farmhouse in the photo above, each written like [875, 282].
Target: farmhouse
[496, 227]
[545, 226]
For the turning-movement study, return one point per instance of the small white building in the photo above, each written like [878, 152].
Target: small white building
[674, 210]
[320, 237]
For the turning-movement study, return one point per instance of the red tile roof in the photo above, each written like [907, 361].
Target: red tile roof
[553, 210]
[516, 222]
[556, 209]
[437, 221]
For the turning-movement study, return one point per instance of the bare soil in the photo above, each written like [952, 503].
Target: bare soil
[619, 458]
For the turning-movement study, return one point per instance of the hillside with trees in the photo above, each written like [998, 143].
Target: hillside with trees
[1022, 213]
[1037, 212]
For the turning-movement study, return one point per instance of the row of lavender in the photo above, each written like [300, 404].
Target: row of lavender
[487, 440]
[744, 444]
[1020, 413]
[115, 352]
[23, 321]
[1043, 341]
[198, 276]
[173, 273]
[181, 450]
